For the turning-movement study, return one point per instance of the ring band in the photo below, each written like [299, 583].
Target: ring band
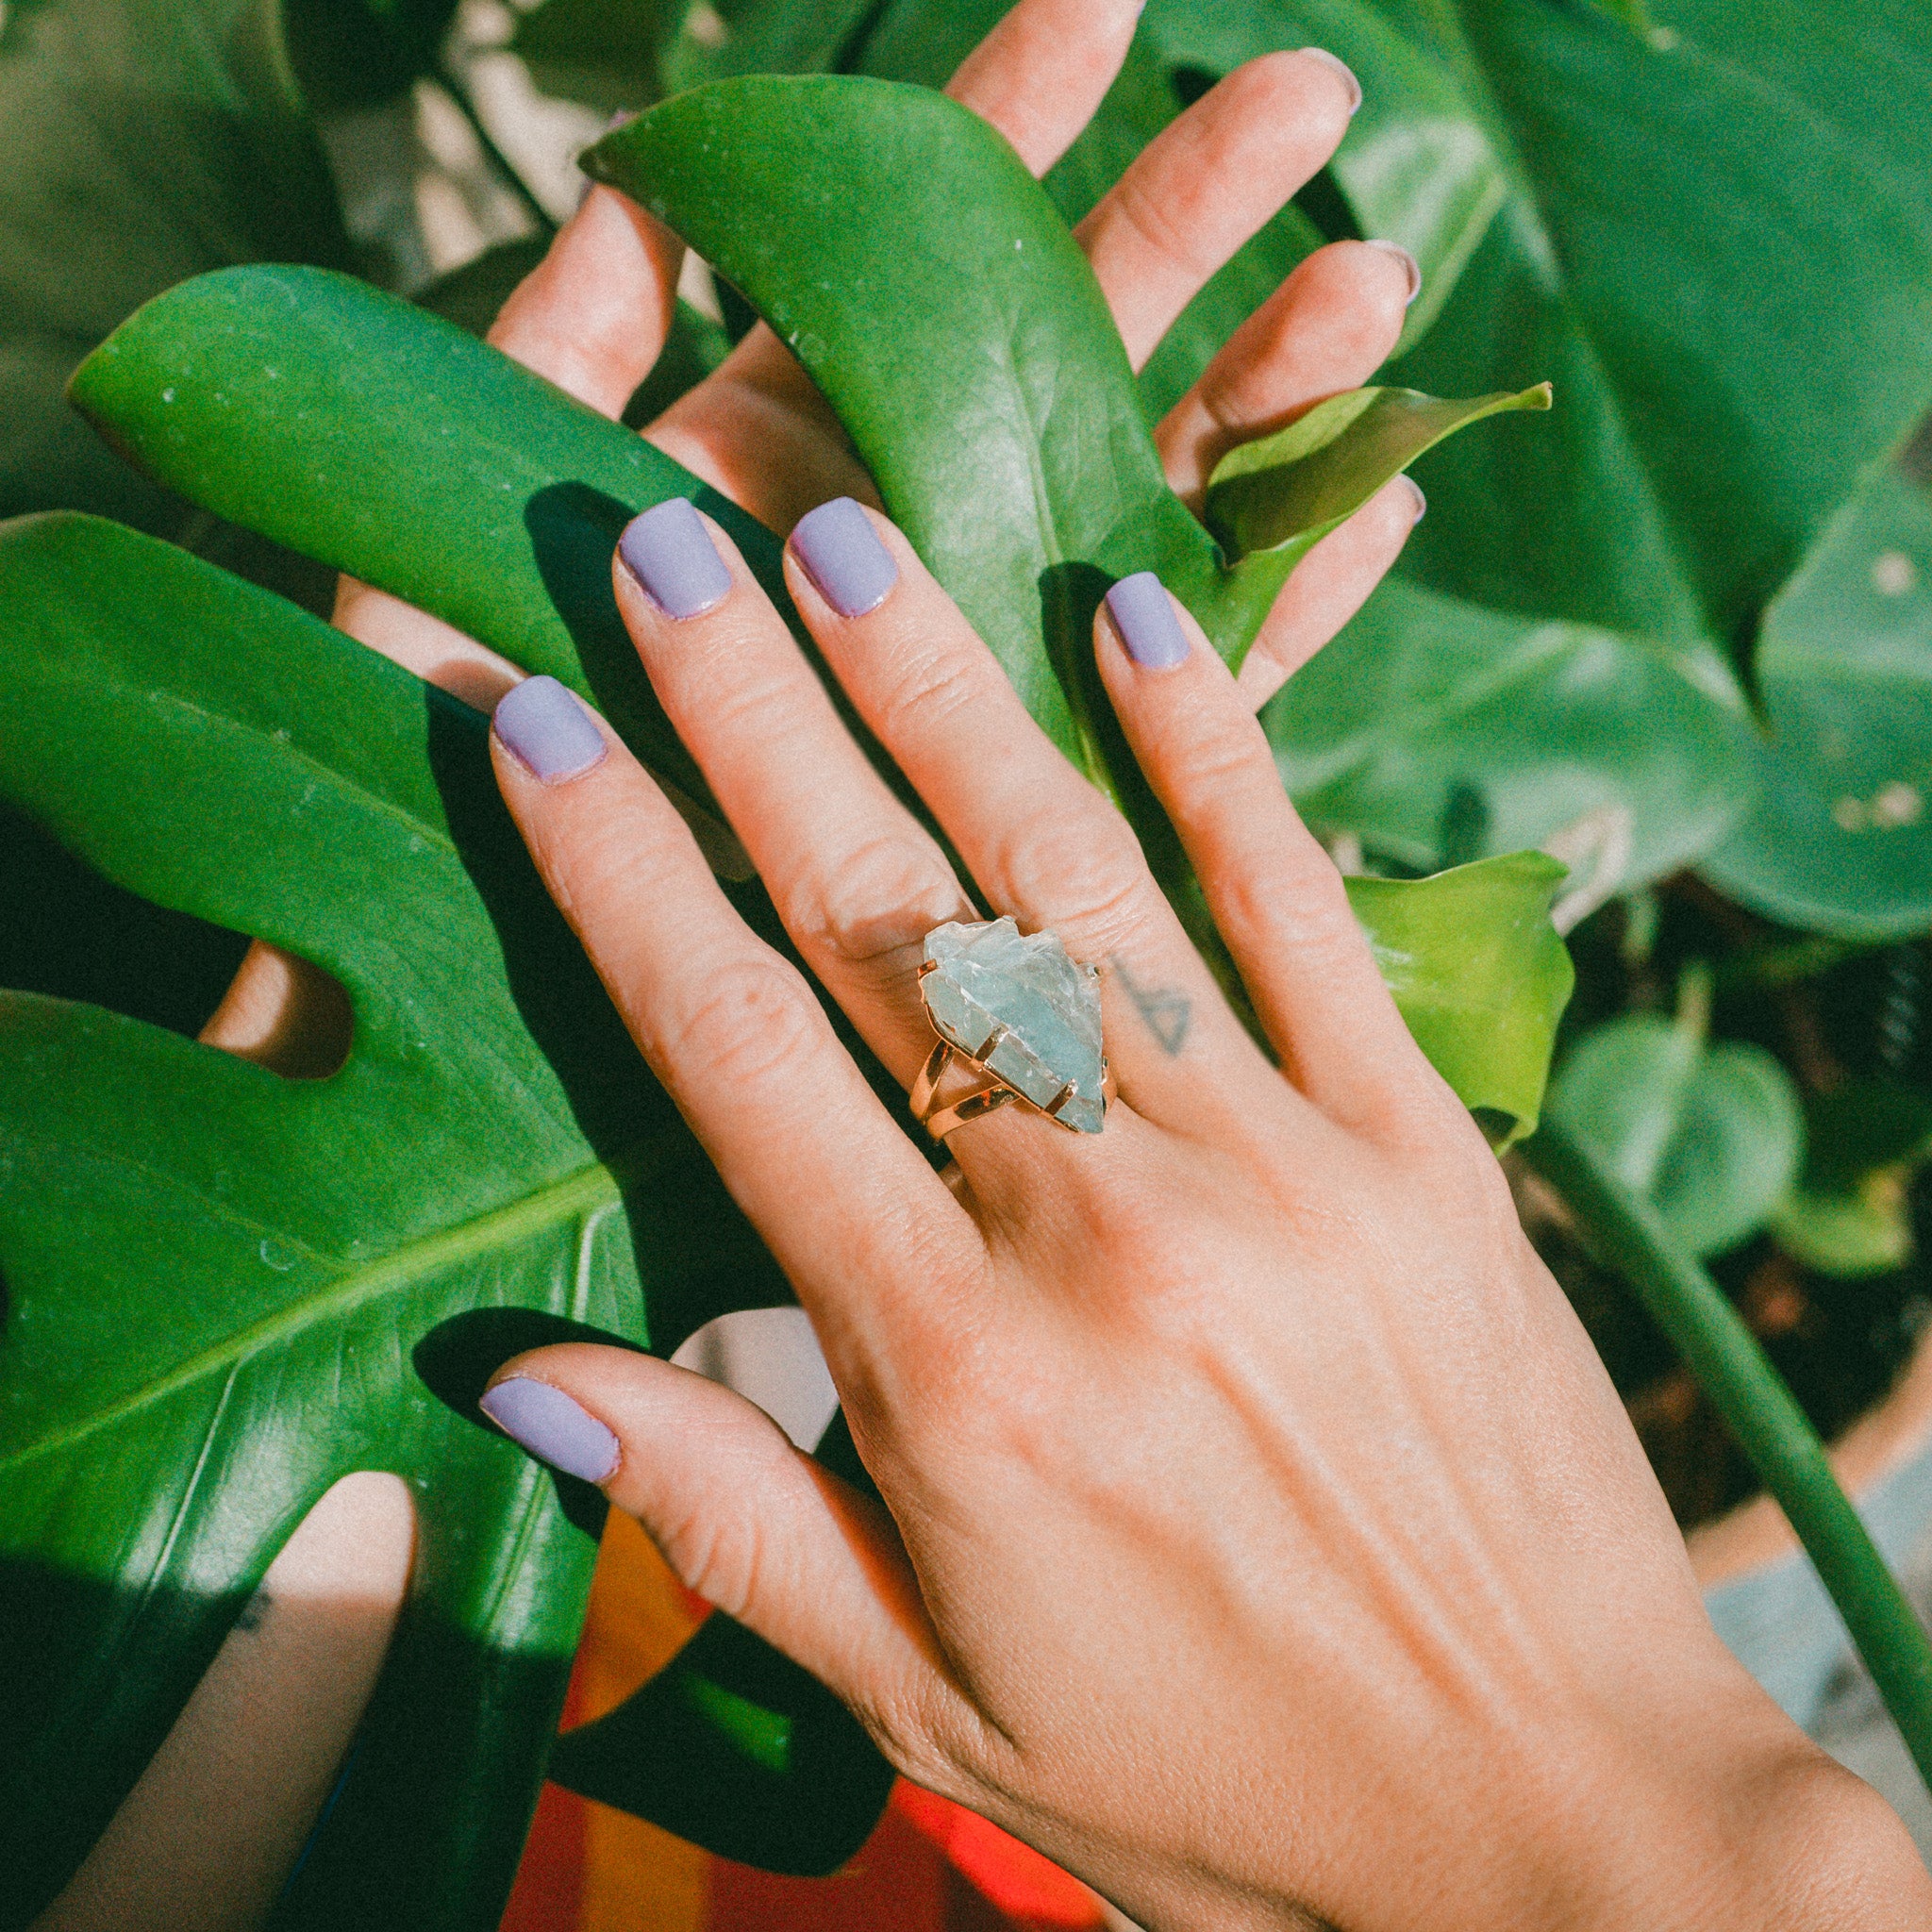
[1022, 1017]
[988, 1097]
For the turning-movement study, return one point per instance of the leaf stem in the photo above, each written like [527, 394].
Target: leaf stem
[1761, 1413]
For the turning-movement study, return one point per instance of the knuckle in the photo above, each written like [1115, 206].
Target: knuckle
[1163, 222]
[881, 897]
[1224, 749]
[1080, 864]
[753, 1019]
[931, 686]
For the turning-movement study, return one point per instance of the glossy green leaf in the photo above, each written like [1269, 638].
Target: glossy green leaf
[1480, 976]
[1286, 492]
[1711, 1136]
[1714, 415]
[1840, 838]
[225, 1290]
[501, 521]
[1436, 731]
[1022, 471]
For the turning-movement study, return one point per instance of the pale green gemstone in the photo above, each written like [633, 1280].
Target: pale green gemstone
[990, 976]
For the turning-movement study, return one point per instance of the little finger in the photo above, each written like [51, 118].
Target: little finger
[1275, 897]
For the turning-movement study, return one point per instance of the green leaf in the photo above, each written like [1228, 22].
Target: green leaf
[1850, 1215]
[1708, 433]
[349, 54]
[716, 1744]
[1711, 1136]
[609, 54]
[142, 141]
[1436, 732]
[1056, 487]
[1840, 838]
[226, 1289]
[1480, 976]
[1286, 492]
[501, 522]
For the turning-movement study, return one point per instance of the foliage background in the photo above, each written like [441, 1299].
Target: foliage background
[1681, 635]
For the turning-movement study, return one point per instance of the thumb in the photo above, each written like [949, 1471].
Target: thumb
[747, 1520]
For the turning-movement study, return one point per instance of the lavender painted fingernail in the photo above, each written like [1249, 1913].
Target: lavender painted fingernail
[670, 553]
[843, 554]
[548, 730]
[1422, 502]
[1143, 615]
[552, 1427]
[1342, 69]
[1408, 262]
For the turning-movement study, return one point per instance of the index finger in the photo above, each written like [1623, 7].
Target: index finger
[864, 1229]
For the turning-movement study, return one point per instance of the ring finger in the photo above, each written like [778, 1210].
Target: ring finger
[854, 877]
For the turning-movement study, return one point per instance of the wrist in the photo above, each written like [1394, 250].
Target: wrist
[1755, 1829]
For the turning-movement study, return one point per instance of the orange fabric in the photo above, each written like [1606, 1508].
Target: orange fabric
[929, 1867]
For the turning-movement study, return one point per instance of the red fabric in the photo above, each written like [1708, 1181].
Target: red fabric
[548, 1896]
[1011, 1877]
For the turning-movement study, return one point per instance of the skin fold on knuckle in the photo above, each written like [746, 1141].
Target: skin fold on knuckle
[596, 861]
[882, 896]
[1093, 889]
[1210, 763]
[746, 1024]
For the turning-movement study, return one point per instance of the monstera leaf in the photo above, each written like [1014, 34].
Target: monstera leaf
[225, 1290]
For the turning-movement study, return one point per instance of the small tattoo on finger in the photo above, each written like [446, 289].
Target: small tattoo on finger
[1165, 1009]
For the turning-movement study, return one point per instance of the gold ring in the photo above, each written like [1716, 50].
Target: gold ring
[1019, 1017]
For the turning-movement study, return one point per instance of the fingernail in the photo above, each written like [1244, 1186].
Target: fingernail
[670, 553]
[552, 1427]
[1422, 502]
[843, 557]
[1143, 615]
[548, 730]
[1408, 262]
[1343, 71]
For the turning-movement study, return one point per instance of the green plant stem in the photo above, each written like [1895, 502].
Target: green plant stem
[1763, 1415]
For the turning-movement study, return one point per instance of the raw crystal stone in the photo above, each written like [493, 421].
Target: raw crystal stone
[989, 977]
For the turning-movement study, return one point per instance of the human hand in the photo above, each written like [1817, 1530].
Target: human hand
[1262, 1540]
[593, 317]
